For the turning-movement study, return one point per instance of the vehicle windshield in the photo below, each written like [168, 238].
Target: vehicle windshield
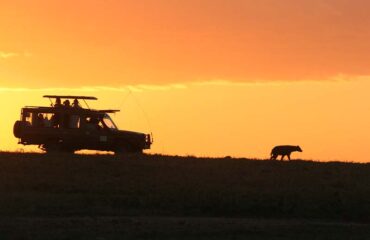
[109, 122]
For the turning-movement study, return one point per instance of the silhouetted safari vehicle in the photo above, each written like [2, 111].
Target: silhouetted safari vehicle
[68, 128]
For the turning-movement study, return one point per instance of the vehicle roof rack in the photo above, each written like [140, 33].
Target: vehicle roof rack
[70, 97]
[109, 111]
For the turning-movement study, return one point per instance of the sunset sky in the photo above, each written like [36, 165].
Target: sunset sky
[207, 77]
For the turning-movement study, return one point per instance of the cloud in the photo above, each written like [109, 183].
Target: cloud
[128, 88]
[339, 78]
[330, 8]
[152, 87]
[6, 55]
[259, 82]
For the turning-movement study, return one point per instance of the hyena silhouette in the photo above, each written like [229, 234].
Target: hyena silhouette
[284, 150]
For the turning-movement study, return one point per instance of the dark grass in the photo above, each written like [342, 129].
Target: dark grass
[177, 228]
[80, 185]
[61, 188]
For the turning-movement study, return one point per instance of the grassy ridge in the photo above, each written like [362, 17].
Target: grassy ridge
[153, 185]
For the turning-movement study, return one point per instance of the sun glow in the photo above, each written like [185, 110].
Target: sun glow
[206, 77]
[243, 120]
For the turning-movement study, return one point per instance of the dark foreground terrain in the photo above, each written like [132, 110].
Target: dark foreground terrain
[163, 197]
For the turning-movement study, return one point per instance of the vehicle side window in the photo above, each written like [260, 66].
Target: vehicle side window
[92, 123]
[74, 121]
[101, 125]
[37, 119]
[89, 123]
[55, 120]
[47, 120]
[28, 118]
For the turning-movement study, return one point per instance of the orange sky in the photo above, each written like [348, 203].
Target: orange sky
[215, 77]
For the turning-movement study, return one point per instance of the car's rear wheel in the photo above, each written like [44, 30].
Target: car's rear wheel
[57, 148]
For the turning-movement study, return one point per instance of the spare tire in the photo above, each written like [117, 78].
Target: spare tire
[19, 127]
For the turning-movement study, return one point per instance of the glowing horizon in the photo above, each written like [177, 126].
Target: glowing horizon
[251, 131]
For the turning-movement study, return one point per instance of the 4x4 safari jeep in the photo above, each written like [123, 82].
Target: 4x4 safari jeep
[68, 128]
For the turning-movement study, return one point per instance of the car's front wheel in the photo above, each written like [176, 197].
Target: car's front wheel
[127, 149]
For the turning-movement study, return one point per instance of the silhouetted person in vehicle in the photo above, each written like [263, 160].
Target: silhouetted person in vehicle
[92, 124]
[66, 103]
[58, 102]
[74, 119]
[55, 119]
[40, 120]
[47, 122]
[76, 104]
[66, 116]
